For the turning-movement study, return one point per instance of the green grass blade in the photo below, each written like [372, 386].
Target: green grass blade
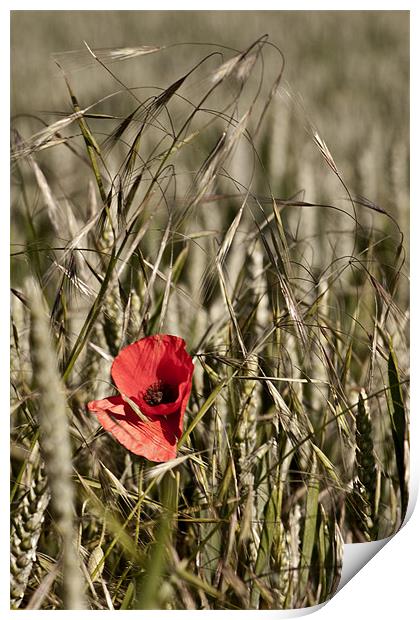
[310, 529]
[398, 425]
[148, 592]
[206, 406]
[264, 550]
[92, 146]
[197, 583]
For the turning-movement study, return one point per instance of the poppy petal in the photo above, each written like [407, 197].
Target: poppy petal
[152, 359]
[155, 439]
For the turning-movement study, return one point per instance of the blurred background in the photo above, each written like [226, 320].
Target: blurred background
[349, 71]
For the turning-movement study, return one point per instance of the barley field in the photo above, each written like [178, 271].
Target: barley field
[209, 305]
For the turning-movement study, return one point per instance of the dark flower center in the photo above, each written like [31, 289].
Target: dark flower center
[159, 393]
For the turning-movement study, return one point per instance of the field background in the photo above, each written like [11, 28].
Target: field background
[350, 69]
[272, 477]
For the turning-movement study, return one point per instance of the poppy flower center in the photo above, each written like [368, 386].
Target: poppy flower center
[159, 393]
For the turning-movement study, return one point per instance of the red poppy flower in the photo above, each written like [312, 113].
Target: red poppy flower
[154, 378]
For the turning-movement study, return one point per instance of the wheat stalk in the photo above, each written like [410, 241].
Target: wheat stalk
[26, 529]
[55, 444]
[365, 478]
